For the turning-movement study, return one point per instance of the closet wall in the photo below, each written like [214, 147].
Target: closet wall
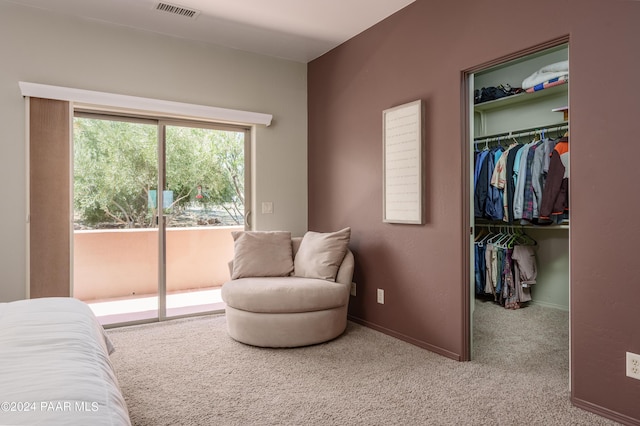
[494, 123]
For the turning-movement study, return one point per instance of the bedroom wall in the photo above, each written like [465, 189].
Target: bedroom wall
[420, 53]
[41, 47]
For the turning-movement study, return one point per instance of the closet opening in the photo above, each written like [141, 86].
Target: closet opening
[516, 156]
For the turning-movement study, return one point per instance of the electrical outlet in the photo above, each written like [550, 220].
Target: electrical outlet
[633, 365]
[353, 289]
[381, 296]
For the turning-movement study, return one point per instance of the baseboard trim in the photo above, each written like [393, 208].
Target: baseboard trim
[405, 338]
[604, 412]
[550, 305]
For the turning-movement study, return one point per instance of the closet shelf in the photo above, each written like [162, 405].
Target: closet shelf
[520, 97]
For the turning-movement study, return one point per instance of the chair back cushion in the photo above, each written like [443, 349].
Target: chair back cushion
[320, 254]
[262, 254]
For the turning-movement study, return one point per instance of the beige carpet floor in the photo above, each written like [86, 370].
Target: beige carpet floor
[189, 372]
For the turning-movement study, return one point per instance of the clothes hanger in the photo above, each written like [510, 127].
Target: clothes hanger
[495, 238]
[483, 232]
[508, 235]
[542, 134]
[526, 240]
[513, 138]
[485, 238]
[517, 233]
[558, 132]
[488, 233]
[498, 237]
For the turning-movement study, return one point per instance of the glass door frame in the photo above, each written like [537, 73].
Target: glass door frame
[162, 124]
[162, 175]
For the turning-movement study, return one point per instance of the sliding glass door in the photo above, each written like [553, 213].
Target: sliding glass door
[141, 253]
[115, 238]
[205, 173]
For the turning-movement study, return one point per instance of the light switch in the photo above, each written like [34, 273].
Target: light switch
[267, 207]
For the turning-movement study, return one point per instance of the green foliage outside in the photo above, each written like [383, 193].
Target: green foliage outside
[115, 174]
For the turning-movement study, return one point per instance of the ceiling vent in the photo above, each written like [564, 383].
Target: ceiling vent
[177, 10]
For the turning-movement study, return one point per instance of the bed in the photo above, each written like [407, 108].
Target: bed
[55, 367]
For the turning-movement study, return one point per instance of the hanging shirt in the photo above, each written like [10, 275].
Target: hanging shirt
[493, 205]
[516, 165]
[555, 194]
[527, 194]
[479, 159]
[481, 187]
[533, 191]
[508, 199]
[499, 177]
[519, 177]
[539, 173]
[548, 149]
[562, 146]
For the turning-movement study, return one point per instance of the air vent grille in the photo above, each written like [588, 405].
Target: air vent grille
[177, 10]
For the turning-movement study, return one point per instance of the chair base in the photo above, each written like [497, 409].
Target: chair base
[285, 330]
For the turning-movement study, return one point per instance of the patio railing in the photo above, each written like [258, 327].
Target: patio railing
[119, 263]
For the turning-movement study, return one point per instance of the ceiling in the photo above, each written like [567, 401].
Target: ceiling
[299, 30]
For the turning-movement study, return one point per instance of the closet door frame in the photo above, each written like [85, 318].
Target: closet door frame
[466, 101]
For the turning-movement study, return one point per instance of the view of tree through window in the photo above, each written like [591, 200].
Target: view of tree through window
[115, 175]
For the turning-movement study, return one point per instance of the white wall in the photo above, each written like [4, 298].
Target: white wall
[40, 47]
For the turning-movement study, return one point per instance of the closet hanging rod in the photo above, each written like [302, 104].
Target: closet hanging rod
[519, 133]
[564, 225]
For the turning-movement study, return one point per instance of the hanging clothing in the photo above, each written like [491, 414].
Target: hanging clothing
[479, 158]
[519, 176]
[554, 206]
[491, 270]
[525, 271]
[503, 272]
[499, 178]
[481, 185]
[528, 195]
[563, 145]
[493, 206]
[540, 161]
[511, 183]
[508, 287]
[479, 266]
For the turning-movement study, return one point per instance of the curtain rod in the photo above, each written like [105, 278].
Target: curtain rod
[520, 133]
[174, 109]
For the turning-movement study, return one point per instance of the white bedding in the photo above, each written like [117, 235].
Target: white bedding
[55, 367]
[546, 73]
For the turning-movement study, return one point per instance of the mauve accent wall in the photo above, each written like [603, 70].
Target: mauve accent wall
[421, 53]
